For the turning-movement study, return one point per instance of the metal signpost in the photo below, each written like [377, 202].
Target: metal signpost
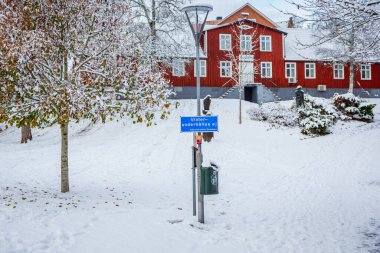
[194, 14]
[198, 124]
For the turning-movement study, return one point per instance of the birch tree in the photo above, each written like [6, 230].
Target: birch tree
[71, 59]
[347, 31]
[244, 44]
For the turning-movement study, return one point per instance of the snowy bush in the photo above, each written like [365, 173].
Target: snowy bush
[316, 125]
[316, 116]
[352, 110]
[367, 109]
[353, 107]
[342, 101]
[275, 114]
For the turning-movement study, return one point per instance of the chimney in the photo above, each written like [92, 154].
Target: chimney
[290, 23]
[219, 18]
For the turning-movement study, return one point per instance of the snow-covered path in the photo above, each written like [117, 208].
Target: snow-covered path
[131, 189]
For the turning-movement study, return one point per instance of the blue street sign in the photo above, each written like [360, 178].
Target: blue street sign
[199, 124]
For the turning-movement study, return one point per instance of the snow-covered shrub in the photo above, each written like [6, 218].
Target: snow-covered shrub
[367, 109]
[275, 114]
[352, 110]
[316, 116]
[342, 101]
[316, 125]
[353, 107]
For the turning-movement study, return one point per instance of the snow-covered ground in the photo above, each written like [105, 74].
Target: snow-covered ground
[280, 191]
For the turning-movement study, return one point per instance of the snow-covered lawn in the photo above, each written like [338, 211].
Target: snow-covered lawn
[280, 191]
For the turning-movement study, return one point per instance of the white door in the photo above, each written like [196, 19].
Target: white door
[246, 72]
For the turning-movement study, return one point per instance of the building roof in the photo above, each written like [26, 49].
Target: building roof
[295, 41]
[294, 51]
[212, 27]
[254, 9]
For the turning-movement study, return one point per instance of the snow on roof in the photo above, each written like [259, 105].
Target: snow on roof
[294, 45]
[211, 27]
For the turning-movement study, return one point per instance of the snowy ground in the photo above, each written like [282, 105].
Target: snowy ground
[131, 189]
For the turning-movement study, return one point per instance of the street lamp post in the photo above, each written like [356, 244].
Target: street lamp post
[196, 15]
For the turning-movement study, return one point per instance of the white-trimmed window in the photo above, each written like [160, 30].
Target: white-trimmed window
[224, 41]
[178, 67]
[290, 70]
[202, 68]
[266, 70]
[225, 69]
[365, 72]
[265, 43]
[310, 71]
[245, 43]
[338, 71]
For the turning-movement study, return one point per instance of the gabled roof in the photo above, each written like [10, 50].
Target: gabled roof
[213, 27]
[253, 8]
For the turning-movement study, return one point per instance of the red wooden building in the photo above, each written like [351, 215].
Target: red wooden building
[248, 45]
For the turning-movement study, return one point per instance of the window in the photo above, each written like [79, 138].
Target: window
[365, 72]
[225, 41]
[338, 71]
[309, 70]
[266, 43]
[266, 70]
[225, 69]
[290, 70]
[202, 68]
[178, 67]
[245, 43]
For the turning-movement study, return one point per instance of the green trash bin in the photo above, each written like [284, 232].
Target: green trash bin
[209, 180]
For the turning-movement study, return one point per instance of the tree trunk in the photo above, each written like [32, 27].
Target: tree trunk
[352, 61]
[152, 24]
[351, 84]
[64, 157]
[26, 134]
[240, 109]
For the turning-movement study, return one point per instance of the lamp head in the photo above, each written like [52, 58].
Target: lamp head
[197, 8]
[196, 15]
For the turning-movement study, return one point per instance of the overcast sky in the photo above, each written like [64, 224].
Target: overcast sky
[268, 7]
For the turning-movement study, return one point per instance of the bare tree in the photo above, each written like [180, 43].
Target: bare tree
[244, 44]
[164, 24]
[346, 31]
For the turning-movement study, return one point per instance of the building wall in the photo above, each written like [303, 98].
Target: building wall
[324, 71]
[214, 56]
[325, 76]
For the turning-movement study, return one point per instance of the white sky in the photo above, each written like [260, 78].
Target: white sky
[268, 7]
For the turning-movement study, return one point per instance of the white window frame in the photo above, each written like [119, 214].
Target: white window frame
[226, 41]
[227, 66]
[342, 71]
[307, 67]
[202, 68]
[268, 65]
[245, 43]
[295, 69]
[178, 67]
[265, 49]
[367, 69]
